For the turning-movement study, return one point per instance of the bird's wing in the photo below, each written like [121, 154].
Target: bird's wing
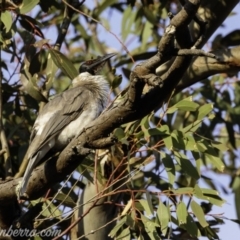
[66, 107]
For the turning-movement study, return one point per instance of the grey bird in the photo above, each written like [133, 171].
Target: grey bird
[65, 116]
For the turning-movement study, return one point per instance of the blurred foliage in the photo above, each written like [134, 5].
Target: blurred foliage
[174, 157]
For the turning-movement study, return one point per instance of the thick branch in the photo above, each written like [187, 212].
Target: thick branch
[227, 61]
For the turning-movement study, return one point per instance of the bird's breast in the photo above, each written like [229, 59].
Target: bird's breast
[74, 128]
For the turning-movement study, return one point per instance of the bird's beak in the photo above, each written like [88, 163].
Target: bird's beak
[95, 65]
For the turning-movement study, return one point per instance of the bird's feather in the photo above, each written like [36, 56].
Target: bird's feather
[71, 107]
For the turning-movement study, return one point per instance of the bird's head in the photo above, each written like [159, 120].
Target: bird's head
[93, 66]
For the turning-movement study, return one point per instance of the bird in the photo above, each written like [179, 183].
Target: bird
[66, 115]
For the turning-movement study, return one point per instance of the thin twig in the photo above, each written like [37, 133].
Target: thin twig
[94, 20]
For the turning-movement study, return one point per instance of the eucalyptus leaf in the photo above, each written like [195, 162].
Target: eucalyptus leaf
[63, 63]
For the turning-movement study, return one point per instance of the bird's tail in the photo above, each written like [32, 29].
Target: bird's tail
[24, 182]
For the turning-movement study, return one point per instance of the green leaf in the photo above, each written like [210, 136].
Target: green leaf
[148, 13]
[103, 6]
[169, 166]
[216, 161]
[204, 111]
[162, 131]
[209, 195]
[182, 213]
[236, 189]
[27, 6]
[147, 206]
[192, 127]
[116, 81]
[201, 146]
[189, 142]
[124, 235]
[30, 83]
[220, 146]
[51, 70]
[198, 212]
[150, 228]
[184, 190]
[68, 201]
[198, 192]
[6, 19]
[82, 31]
[191, 227]
[186, 165]
[119, 133]
[183, 141]
[127, 22]
[50, 210]
[114, 231]
[186, 105]
[210, 233]
[145, 123]
[163, 216]
[147, 32]
[64, 63]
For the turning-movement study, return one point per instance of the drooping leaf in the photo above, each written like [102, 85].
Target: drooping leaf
[204, 110]
[236, 189]
[124, 235]
[120, 223]
[198, 212]
[182, 213]
[103, 6]
[127, 22]
[6, 19]
[186, 165]
[27, 6]
[163, 216]
[63, 63]
[147, 205]
[150, 228]
[186, 104]
[146, 34]
[215, 160]
[30, 84]
[191, 227]
[169, 166]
